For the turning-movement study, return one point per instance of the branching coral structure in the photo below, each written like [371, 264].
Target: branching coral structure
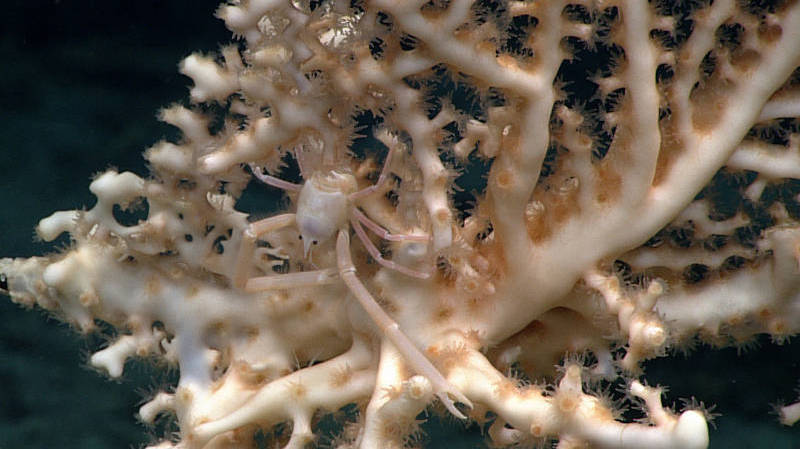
[498, 207]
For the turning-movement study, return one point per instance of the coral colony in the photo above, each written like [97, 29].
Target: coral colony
[496, 210]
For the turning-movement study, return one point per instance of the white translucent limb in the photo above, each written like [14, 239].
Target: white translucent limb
[383, 233]
[391, 330]
[244, 259]
[382, 178]
[273, 181]
[376, 254]
[292, 280]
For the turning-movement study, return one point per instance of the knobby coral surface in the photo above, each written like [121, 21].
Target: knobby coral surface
[562, 190]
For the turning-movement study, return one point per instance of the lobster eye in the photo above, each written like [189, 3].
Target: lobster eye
[314, 242]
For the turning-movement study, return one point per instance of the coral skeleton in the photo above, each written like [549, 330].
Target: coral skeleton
[471, 227]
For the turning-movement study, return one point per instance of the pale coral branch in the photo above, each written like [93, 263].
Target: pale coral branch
[705, 155]
[785, 104]
[769, 160]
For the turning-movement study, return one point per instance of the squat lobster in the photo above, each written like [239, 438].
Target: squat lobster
[327, 205]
